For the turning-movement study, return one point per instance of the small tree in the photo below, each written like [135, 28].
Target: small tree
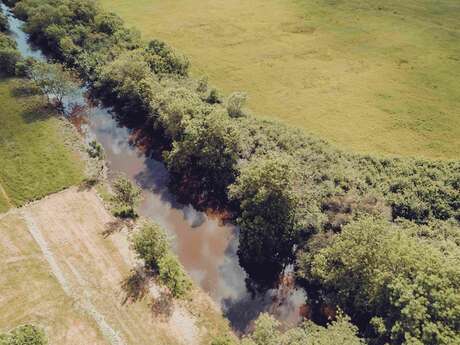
[95, 150]
[151, 244]
[172, 275]
[54, 81]
[235, 104]
[24, 335]
[4, 25]
[127, 197]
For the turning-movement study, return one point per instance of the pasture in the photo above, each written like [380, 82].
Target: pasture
[37, 155]
[369, 76]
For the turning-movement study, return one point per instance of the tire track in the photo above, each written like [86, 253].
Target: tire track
[82, 301]
[5, 196]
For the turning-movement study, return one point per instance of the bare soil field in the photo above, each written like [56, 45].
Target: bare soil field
[61, 269]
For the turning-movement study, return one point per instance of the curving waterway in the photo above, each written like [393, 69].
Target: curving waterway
[206, 247]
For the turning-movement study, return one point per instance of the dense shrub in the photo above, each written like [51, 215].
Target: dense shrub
[152, 246]
[8, 60]
[165, 60]
[400, 287]
[206, 168]
[4, 26]
[126, 197]
[267, 332]
[235, 103]
[9, 56]
[265, 189]
[24, 335]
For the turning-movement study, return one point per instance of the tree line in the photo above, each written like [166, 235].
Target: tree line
[375, 237]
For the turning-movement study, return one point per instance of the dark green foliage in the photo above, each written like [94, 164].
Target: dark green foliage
[206, 155]
[165, 60]
[95, 150]
[9, 56]
[4, 26]
[126, 198]
[24, 335]
[152, 246]
[172, 275]
[401, 287]
[267, 332]
[8, 60]
[265, 191]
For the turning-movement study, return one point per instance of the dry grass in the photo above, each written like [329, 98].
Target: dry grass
[371, 76]
[30, 294]
[94, 267]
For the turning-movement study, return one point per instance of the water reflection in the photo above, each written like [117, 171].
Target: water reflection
[206, 248]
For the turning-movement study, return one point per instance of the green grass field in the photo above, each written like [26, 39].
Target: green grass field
[34, 160]
[371, 76]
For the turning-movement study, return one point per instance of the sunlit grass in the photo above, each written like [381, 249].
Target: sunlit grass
[371, 76]
[34, 161]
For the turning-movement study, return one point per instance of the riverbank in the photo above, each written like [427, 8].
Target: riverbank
[60, 272]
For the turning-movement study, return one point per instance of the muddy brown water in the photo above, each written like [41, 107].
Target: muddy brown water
[206, 247]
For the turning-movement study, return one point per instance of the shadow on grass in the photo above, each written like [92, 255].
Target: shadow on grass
[162, 306]
[136, 288]
[114, 226]
[38, 112]
[25, 89]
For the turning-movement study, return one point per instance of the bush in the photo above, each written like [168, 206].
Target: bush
[9, 58]
[267, 202]
[165, 60]
[235, 104]
[126, 198]
[206, 156]
[24, 335]
[401, 289]
[4, 25]
[95, 150]
[173, 276]
[151, 244]
[267, 332]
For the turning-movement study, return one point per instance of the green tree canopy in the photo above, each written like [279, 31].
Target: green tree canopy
[268, 229]
[405, 287]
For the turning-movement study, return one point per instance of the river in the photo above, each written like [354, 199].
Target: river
[206, 247]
